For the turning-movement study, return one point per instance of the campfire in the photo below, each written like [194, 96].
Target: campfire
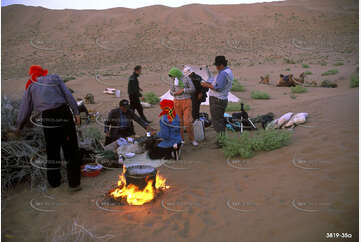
[138, 185]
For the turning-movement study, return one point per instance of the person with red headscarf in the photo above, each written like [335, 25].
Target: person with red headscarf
[48, 95]
[169, 132]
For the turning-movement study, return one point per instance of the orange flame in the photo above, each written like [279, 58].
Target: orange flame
[133, 195]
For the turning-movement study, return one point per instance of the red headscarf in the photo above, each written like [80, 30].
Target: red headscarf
[34, 72]
[168, 108]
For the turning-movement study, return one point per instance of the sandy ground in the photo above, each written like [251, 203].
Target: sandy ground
[296, 193]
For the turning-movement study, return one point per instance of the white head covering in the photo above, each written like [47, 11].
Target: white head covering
[187, 70]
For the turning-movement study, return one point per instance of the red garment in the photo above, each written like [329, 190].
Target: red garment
[168, 108]
[34, 72]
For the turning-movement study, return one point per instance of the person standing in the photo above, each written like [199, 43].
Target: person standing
[218, 94]
[134, 92]
[200, 94]
[181, 89]
[48, 95]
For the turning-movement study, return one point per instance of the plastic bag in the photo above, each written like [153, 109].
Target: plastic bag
[198, 130]
[283, 119]
[298, 118]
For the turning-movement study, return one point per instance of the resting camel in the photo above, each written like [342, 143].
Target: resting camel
[264, 80]
[301, 79]
[290, 81]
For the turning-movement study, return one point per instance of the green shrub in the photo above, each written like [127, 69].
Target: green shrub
[323, 63]
[298, 89]
[293, 96]
[305, 66]
[91, 132]
[259, 95]
[354, 80]
[237, 87]
[328, 84]
[151, 98]
[330, 72]
[289, 61]
[308, 73]
[237, 146]
[247, 145]
[287, 69]
[339, 63]
[233, 107]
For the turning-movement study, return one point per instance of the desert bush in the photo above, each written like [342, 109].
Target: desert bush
[151, 98]
[91, 132]
[16, 152]
[74, 231]
[354, 80]
[259, 95]
[233, 107]
[308, 73]
[330, 72]
[298, 89]
[289, 61]
[323, 63]
[237, 146]
[267, 140]
[247, 145]
[328, 84]
[9, 113]
[237, 87]
[339, 63]
[305, 66]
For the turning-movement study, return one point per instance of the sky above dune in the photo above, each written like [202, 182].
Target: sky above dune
[104, 4]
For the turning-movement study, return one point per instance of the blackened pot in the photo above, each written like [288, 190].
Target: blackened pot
[139, 175]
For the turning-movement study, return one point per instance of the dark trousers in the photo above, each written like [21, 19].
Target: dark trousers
[120, 133]
[59, 132]
[217, 108]
[196, 104]
[109, 140]
[157, 152]
[136, 105]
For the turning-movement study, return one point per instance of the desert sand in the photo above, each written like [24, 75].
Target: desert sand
[297, 193]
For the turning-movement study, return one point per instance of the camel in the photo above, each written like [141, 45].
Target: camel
[310, 84]
[290, 81]
[301, 79]
[286, 81]
[264, 80]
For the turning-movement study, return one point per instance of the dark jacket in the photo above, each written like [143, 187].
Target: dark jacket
[196, 79]
[120, 124]
[133, 86]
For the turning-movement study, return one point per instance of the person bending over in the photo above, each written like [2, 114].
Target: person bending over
[119, 123]
[48, 95]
